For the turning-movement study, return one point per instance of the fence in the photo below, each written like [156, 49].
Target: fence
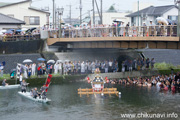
[7, 38]
[134, 31]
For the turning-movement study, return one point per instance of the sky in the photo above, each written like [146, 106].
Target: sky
[121, 5]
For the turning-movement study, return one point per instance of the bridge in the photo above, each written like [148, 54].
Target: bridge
[155, 37]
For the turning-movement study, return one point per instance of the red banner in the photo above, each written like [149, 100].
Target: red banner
[48, 81]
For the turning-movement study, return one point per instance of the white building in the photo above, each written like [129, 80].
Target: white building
[151, 13]
[111, 15]
[24, 11]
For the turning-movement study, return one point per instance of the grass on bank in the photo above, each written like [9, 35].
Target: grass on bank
[7, 76]
[166, 68]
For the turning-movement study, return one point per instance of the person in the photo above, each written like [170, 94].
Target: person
[23, 86]
[123, 66]
[33, 69]
[1, 69]
[122, 29]
[118, 28]
[106, 66]
[43, 91]
[127, 30]
[83, 68]
[60, 68]
[152, 63]
[151, 28]
[4, 83]
[35, 93]
[20, 78]
[25, 71]
[144, 27]
[29, 70]
[130, 65]
[56, 68]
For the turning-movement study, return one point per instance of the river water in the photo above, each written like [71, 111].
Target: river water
[67, 105]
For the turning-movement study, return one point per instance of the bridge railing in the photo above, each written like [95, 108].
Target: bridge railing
[133, 31]
[7, 38]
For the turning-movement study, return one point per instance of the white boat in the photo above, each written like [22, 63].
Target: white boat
[10, 86]
[28, 95]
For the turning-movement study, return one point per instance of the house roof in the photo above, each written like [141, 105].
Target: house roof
[32, 8]
[9, 20]
[9, 4]
[152, 11]
[2, 3]
[111, 9]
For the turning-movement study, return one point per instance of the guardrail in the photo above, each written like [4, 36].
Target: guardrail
[133, 31]
[7, 38]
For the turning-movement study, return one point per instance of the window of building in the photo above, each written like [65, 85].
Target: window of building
[173, 17]
[34, 20]
[133, 20]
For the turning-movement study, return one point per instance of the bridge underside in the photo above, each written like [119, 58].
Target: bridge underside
[120, 43]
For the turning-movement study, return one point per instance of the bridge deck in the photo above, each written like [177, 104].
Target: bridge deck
[51, 41]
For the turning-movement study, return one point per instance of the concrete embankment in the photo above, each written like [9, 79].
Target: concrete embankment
[120, 75]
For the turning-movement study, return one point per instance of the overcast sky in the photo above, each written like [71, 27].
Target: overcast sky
[122, 5]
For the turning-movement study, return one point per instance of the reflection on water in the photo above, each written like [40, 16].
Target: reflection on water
[67, 105]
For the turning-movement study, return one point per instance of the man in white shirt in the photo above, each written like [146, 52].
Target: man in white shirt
[60, 68]
[110, 65]
[33, 69]
[1, 69]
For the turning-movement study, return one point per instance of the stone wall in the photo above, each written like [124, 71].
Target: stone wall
[121, 75]
[33, 46]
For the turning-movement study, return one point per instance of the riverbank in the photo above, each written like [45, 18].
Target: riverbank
[56, 79]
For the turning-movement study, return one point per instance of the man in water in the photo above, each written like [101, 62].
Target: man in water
[4, 83]
[23, 86]
[43, 91]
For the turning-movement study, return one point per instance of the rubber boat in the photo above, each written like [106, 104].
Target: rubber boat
[10, 86]
[28, 96]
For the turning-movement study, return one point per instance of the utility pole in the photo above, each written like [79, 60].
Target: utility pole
[178, 25]
[138, 13]
[98, 9]
[53, 14]
[55, 19]
[93, 12]
[101, 12]
[70, 14]
[80, 7]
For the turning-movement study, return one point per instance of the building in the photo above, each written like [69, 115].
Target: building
[151, 13]
[73, 21]
[23, 11]
[7, 22]
[110, 15]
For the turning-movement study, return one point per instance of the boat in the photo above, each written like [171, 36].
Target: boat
[97, 84]
[28, 96]
[10, 86]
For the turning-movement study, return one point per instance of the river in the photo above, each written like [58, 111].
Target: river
[66, 104]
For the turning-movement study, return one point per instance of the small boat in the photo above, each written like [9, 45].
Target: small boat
[10, 86]
[28, 96]
[97, 84]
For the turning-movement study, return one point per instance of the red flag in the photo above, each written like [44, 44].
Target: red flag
[48, 81]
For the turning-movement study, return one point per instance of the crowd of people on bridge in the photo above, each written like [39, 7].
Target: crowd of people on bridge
[169, 82]
[119, 29]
